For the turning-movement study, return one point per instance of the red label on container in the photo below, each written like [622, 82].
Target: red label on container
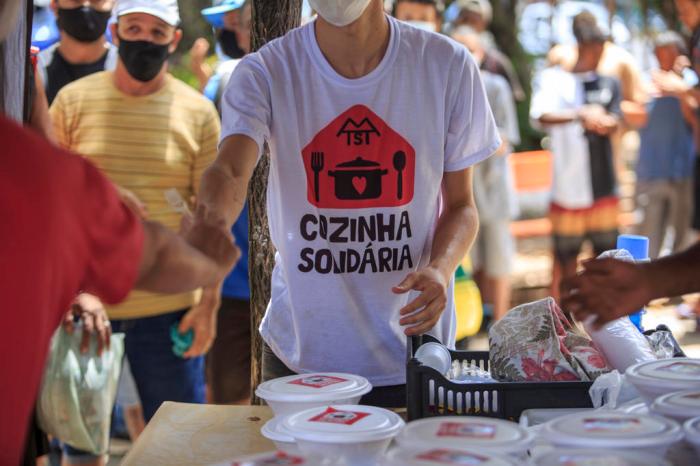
[474, 431]
[276, 459]
[452, 457]
[335, 416]
[317, 381]
[611, 424]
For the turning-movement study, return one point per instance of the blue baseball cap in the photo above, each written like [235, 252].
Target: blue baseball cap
[215, 14]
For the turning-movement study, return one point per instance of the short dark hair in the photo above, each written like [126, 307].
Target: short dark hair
[586, 29]
[438, 4]
[671, 38]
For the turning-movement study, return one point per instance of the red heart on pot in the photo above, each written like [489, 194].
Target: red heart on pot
[359, 183]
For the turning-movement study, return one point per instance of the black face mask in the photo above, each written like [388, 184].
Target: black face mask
[229, 44]
[143, 59]
[84, 24]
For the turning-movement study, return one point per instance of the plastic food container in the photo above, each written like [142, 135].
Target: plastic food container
[597, 458]
[679, 406]
[266, 459]
[290, 395]
[692, 433]
[349, 434]
[614, 430]
[445, 456]
[457, 433]
[272, 431]
[655, 378]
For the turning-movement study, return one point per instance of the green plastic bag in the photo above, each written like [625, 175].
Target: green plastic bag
[78, 391]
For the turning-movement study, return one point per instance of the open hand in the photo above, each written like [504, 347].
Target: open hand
[90, 310]
[421, 315]
[607, 289]
[202, 320]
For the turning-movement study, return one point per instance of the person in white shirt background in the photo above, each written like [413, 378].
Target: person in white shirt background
[373, 127]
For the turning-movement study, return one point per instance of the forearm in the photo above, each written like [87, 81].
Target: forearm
[170, 265]
[454, 236]
[224, 186]
[558, 118]
[675, 275]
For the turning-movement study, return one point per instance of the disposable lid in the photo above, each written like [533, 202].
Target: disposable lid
[444, 456]
[598, 458]
[314, 387]
[679, 404]
[637, 408]
[692, 430]
[671, 373]
[272, 430]
[612, 430]
[466, 432]
[343, 424]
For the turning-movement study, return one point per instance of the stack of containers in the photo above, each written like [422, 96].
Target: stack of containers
[653, 379]
[317, 415]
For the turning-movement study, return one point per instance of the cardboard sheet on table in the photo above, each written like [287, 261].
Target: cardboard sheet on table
[188, 434]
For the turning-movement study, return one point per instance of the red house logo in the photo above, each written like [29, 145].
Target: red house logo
[359, 161]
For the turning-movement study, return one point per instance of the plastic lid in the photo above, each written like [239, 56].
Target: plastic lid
[466, 432]
[671, 373]
[597, 458]
[314, 387]
[444, 456]
[692, 430]
[638, 246]
[605, 429]
[272, 430]
[679, 404]
[343, 424]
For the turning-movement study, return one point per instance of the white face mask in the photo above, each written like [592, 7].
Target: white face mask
[424, 25]
[339, 12]
[9, 15]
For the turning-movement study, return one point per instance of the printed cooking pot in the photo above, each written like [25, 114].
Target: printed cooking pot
[358, 179]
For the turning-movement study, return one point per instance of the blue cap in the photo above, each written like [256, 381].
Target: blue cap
[638, 246]
[215, 14]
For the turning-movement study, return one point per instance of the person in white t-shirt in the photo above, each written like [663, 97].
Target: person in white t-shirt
[373, 127]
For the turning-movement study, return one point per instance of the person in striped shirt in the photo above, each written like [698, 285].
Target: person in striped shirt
[149, 133]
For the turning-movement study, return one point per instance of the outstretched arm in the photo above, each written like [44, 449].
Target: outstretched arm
[224, 187]
[608, 288]
[171, 264]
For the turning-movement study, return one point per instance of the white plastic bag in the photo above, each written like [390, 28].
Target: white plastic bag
[622, 344]
[612, 390]
[78, 390]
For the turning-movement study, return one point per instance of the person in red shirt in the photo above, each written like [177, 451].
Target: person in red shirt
[63, 230]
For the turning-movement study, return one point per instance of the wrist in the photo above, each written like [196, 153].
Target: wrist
[443, 270]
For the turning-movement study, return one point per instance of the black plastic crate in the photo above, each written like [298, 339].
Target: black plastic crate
[430, 394]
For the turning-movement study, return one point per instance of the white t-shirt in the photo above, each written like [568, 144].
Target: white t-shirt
[559, 90]
[355, 186]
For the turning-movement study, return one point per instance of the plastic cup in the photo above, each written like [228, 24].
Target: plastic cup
[436, 356]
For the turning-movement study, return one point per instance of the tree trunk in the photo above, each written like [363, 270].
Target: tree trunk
[271, 19]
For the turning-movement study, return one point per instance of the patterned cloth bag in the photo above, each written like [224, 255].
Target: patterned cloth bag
[535, 342]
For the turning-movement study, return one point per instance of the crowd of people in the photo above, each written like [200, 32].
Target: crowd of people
[370, 211]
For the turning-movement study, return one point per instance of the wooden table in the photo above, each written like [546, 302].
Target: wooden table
[189, 434]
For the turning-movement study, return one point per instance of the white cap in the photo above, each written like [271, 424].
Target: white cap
[167, 10]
